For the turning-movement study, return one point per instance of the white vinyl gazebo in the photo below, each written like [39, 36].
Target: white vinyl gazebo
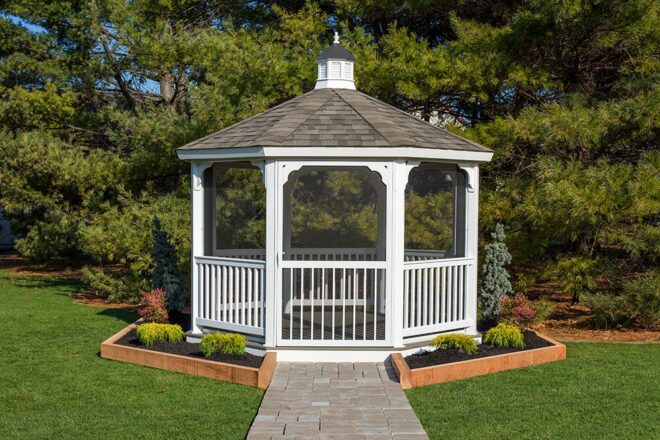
[334, 226]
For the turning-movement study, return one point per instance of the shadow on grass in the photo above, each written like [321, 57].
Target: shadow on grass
[129, 316]
[71, 284]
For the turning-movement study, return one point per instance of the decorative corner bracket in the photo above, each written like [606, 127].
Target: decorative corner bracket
[471, 173]
[197, 174]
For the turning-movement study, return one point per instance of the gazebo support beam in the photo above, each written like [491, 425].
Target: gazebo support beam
[197, 230]
[471, 239]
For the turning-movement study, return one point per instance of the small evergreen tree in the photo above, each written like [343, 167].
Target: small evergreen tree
[494, 277]
[166, 275]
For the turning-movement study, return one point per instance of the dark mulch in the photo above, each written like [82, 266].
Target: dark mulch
[181, 318]
[441, 357]
[184, 348]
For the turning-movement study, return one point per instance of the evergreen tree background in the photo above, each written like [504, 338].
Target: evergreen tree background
[96, 96]
[494, 276]
[166, 274]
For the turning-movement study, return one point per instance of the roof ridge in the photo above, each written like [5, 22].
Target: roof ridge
[363, 118]
[239, 123]
[378, 101]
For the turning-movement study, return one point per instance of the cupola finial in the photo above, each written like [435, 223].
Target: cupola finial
[335, 67]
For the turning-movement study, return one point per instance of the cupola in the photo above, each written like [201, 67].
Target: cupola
[335, 67]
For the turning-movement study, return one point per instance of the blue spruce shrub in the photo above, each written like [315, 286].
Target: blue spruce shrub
[494, 277]
[166, 274]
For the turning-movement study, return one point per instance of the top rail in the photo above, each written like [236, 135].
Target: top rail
[438, 263]
[226, 261]
[333, 264]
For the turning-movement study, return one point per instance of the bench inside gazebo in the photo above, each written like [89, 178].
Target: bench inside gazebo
[334, 226]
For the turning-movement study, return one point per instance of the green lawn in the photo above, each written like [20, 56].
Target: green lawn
[53, 384]
[602, 391]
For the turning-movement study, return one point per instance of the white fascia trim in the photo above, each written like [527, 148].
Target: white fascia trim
[335, 84]
[220, 154]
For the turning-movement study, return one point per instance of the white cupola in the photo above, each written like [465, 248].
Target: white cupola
[335, 68]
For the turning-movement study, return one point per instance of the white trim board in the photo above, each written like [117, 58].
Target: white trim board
[334, 153]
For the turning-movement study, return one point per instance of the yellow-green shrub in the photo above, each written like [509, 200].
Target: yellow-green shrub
[505, 335]
[152, 333]
[455, 341]
[225, 343]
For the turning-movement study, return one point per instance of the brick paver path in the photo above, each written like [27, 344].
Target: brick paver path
[335, 401]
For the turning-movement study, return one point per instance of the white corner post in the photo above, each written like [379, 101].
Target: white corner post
[272, 254]
[471, 240]
[197, 240]
[396, 222]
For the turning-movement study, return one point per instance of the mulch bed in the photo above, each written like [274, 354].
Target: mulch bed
[441, 357]
[184, 348]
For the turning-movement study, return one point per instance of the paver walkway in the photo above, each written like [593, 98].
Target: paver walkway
[335, 401]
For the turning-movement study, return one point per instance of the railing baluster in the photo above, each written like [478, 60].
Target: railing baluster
[292, 288]
[323, 290]
[406, 296]
[231, 294]
[375, 293]
[334, 299]
[248, 309]
[355, 283]
[418, 297]
[223, 272]
[364, 304]
[302, 299]
[425, 298]
[206, 291]
[444, 295]
[312, 293]
[460, 293]
[343, 304]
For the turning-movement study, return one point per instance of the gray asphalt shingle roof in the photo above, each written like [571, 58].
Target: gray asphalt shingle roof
[333, 118]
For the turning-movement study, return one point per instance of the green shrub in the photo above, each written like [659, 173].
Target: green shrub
[153, 333]
[543, 308]
[166, 274]
[494, 277]
[117, 288]
[505, 335]
[455, 341]
[225, 343]
[577, 275]
[638, 304]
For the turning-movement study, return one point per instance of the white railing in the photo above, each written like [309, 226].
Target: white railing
[231, 294]
[423, 255]
[323, 254]
[248, 254]
[435, 295]
[338, 302]
[331, 254]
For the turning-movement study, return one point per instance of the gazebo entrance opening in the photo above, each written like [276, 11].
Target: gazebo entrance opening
[333, 268]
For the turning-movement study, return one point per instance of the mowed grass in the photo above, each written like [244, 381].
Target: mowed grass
[53, 384]
[602, 391]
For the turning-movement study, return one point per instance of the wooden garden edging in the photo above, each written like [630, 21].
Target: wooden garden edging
[255, 377]
[476, 367]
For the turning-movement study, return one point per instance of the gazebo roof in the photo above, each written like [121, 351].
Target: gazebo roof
[334, 117]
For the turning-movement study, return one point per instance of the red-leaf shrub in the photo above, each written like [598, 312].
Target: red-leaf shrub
[523, 314]
[522, 311]
[153, 307]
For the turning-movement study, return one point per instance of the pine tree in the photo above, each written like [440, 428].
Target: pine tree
[166, 274]
[494, 277]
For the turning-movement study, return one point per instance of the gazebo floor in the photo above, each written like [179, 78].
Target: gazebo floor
[342, 330]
